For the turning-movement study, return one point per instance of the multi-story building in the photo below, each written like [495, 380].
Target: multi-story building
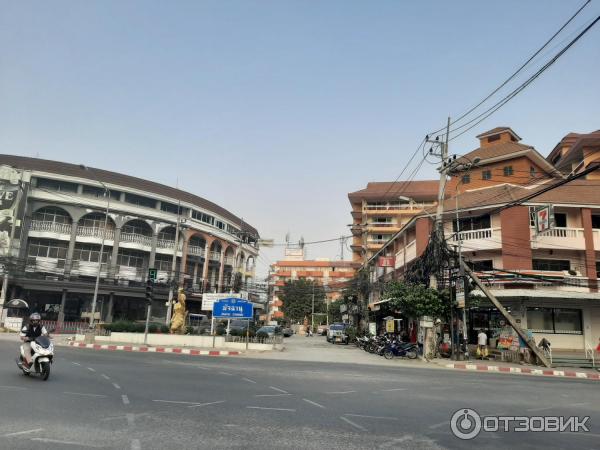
[382, 209]
[332, 275]
[547, 280]
[63, 229]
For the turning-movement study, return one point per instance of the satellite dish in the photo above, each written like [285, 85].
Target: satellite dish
[18, 303]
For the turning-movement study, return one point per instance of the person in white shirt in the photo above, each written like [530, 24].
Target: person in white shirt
[31, 331]
[482, 343]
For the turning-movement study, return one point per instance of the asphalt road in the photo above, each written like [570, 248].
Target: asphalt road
[118, 400]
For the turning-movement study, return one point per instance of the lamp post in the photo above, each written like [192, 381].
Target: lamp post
[107, 194]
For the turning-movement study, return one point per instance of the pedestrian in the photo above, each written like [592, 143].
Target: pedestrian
[482, 344]
[524, 354]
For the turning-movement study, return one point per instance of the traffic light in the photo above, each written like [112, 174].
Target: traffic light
[149, 291]
[152, 273]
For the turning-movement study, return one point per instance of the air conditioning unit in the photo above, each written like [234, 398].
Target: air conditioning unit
[572, 273]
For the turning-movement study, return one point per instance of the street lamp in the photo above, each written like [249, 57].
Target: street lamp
[107, 194]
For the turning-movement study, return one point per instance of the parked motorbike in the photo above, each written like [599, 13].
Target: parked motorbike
[403, 350]
[42, 350]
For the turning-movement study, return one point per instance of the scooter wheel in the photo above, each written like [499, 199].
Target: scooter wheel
[411, 355]
[45, 370]
[388, 354]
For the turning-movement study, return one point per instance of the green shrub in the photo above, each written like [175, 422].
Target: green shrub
[351, 333]
[236, 332]
[220, 331]
[164, 329]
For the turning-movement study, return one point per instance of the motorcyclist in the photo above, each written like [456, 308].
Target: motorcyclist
[31, 331]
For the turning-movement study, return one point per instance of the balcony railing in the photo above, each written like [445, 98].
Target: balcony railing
[560, 232]
[485, 233]
[377, 241]
[559, 237]
[399, 207]
[137, 239]
[215, 256]
[51, 227]
[383, 225]
[196, 250]
[96, 232]
[229, 260]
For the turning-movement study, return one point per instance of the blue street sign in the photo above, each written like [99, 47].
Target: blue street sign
[233, 308]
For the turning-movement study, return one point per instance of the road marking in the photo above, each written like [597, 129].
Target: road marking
[546, 408]
[18, 433]
[278, 390]
[84, 395]
[313, 403]
[125, 399]
[106, 377]
[438, 425]
[372, 417]
[249, 380]
[393, 390]
[272, 409]
[173, 401]
[572, 405]
[77, 364]
[199, 405]
[272, 395]
[340, 392]
[226, 373]
[116, 386]
[355, 425]
[130, 419]
[55, 441]
[13, 387]
[91, 369]
[135, 444]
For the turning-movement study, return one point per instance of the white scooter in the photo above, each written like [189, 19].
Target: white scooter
[43, 353]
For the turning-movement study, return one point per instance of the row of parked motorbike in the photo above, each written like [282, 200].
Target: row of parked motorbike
[389, 347]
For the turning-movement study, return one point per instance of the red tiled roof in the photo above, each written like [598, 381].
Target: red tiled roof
[308, 263]
[496, 131]
[422, 190]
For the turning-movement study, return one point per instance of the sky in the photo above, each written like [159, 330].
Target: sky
[277, 109]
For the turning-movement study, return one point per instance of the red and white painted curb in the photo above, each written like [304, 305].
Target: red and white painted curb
[526, 371]
[145, 349]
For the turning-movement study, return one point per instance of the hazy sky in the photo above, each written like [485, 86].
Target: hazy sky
[277, 109]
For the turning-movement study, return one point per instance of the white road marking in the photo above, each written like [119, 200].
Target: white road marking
[135, 444]
[13, 387]
[77, 364]
[340, 392]
[226, 373]
[199, 405]
[91, 369]
[249, 380]
[438, 425]
[106, 377]
[313, 403]
[372, 417]
[272, 409]
[116, 386]
[272, 395]
[18, 433]
[130, 419]
[545, 408]
[125, 399]
[177, 402]
[55, 441]
[278, 390]
[355, 425]
[572, 405]
[393, 390]
[84, 395]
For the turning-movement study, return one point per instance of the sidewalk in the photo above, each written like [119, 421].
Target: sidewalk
[148, 349]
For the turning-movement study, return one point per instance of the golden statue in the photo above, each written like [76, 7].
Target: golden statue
[179, 314]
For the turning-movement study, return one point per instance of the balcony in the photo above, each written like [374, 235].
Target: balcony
[139, 240]
[125, 274]
[383, 227]
[88, 269]
[559, 238]
[196, 250]
[95, 233]
[45, 265]
[229, 260]
[215, 256]
[42, 228]
[390, 208]
[483, 239]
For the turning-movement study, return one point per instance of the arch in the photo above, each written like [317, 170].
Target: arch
[250, 261]
[229, 251]
[96, 220]
[216, 246]
[137, 226]
[167, 233]
[52, 214]
[197, 240]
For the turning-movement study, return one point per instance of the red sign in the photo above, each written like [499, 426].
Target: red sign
[386, 261]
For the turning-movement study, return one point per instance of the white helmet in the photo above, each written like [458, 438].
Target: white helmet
[35, 316]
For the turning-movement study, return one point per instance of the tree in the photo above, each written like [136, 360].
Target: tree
[297, 297]
[417, 300]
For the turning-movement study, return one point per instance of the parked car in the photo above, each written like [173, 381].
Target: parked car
[287, 332]
[239, 327]
[337, 333]
[200, 323]
[322, 330]
[271, 331]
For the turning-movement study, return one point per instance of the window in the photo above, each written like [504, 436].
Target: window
[531, 216]
[597, 269]
[52, 214]
[551, 264]
[167, 234]
[473, 223]
[554, 320]
[47, 248]
[466, 179]
[89, 253]
[532, 172]
[203, 217]
[95, 220]
[137, 227]
[596, 222]
[171, 208]
[479, 266]
[220, 225]
[560, 220]
[138, 200]
[496, 137]
[508, 171]
[130, 258]
[486, 175]
[98, 192]
[55, 185]
[556, 159]
[163, 262]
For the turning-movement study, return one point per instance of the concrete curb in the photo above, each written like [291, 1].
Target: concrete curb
[146, 349]
[525, 371]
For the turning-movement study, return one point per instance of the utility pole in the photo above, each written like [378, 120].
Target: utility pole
[174, 265]
[312, 316]
[342, 243]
